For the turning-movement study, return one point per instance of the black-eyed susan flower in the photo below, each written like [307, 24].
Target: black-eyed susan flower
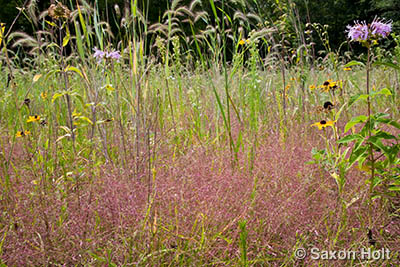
[333, 86]
[325, 85]
[329, 85]
[33, 118]
[322, 124]
[347, 69]
[22, 133]
[312, 87]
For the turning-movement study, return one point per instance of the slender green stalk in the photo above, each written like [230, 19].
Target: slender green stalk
[371, 151]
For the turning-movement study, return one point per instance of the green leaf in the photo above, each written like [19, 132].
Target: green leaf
[339, 112]
[79, 43]
[349, 138]
[355, 121]
[377, 143]
[389, 122]
[362, 97]
[353, 99]
[394, 188]
[357, 155]
[380, 115]
[57, 95]
[85, 119]
[384, 135]
[388, 64]
[354, 63]
[74, 69]
[384, 91]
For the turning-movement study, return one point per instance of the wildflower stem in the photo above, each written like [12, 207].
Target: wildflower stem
[371, 153]
[119, 113]
[66, 84]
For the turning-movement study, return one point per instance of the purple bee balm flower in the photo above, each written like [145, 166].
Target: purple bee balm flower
[381, 28]
[358, 32]
[98, 54]
[114, 55]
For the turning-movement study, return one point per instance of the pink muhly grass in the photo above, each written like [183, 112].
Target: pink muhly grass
[195, 191]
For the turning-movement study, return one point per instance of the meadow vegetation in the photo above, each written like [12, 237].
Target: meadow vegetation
[203, 139]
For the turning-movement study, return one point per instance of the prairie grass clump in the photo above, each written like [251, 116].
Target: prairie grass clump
[187, 142]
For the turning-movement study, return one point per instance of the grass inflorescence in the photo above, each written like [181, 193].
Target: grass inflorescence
[190, 143]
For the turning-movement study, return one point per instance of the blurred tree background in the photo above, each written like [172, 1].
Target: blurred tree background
[335, 13]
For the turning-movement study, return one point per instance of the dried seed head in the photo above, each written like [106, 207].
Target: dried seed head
[59, 11]
[328, 105]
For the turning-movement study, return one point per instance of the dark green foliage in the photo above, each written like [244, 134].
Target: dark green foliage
[335, 13]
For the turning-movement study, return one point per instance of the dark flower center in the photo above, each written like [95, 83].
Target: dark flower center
[322, 122]
[328, 105]
[326, 83]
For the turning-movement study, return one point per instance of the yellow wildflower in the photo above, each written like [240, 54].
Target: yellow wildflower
[312, 87]
[33, 118]
[22, 133]
[347, 69]
[322, 124]
[329, 85]
[244, 41]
